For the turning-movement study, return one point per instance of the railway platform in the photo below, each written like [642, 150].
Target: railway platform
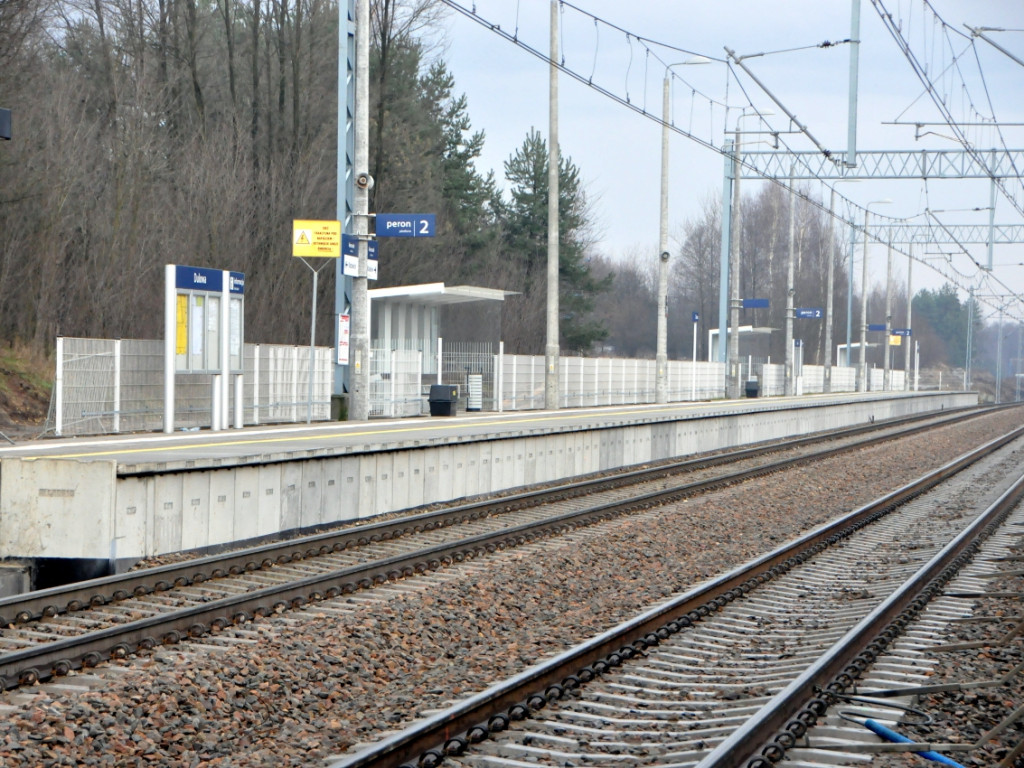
[79, 508]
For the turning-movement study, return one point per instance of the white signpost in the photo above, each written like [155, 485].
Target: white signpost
[204, 332]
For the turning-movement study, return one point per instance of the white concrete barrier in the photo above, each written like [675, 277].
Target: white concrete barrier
[52, 508]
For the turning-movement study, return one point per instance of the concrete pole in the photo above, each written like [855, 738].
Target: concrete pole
[970, 340]
[733, 372]
[910, 301]
[999, 358]
[360, 371]
[661, 354]
[849, 296]
[851, 134]
[1017, 372]
[790, 384]
[887, 365]
[551, 350]
[723, 258]
[312, 353]
[862, 366]
[827, 373]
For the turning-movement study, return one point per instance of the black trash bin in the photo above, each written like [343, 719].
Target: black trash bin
[752, 388]
[443, 399]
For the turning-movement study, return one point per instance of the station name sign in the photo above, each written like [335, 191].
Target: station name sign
[205, 279]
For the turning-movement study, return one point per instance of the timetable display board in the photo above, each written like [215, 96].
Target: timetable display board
[208, 314]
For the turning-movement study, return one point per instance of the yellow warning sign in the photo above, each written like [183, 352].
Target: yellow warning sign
[316, 238]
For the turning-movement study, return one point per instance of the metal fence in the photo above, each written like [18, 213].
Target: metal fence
[396, 383]
[111, 386]
[104, 386]
[592, 381]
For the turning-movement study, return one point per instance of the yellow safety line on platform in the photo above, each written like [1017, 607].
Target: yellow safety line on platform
[322, 435]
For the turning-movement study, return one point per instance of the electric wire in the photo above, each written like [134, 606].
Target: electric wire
[921, 71]
[709, 143]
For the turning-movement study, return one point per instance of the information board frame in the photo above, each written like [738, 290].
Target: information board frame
[204, 333]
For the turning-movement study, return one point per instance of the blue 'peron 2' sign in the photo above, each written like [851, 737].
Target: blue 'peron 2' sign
[405, 225]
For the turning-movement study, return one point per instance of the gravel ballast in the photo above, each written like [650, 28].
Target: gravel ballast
[320, 681]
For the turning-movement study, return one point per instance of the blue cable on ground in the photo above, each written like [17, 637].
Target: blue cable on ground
[891, 735]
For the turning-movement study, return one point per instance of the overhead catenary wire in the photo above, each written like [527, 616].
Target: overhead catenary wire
[921, 71]
[707, 142]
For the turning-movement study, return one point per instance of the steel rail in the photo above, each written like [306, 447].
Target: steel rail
[762, 740]
[39, 662]
[425, 744]
[21, 609]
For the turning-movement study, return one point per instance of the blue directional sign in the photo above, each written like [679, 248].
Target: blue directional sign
[755, 303]
[876, 326]
[350, 246]
[798, 342]
[901, 332]
[813, 313]
[696, 317]
[405, 225]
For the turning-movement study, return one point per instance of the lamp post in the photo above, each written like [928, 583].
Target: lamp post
[910, 301]
[830, 289]
[887, 364]
[790, 388]
[862, 369]
[733, 372]
[661, 348]
[551, 346]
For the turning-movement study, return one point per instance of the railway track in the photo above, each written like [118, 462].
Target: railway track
[55, 631]
[949, 685]
[737, 671]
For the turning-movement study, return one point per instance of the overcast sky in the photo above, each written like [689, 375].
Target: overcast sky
[618, 151]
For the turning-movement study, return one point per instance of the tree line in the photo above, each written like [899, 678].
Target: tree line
[176, 131]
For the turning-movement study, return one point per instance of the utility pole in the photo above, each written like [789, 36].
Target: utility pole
[887, 365]
[849, 295]
[827, 373]
[661, 351]
[724, 257]
[910, 301]
[862, 365]
[661, 348]
[851, 134]
[999, 358]
[829, 300]
[970, 334]
[734, 273]
[862, 368]
[551, 351]
[360, 372]
[790, 384]
[344, 204]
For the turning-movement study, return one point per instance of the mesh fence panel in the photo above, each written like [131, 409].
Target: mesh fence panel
[844, 378]
[596, 381]
[276, 383]
[813, 379]
[88, 386]
[461, 360]
[107, 386]
[396, 383]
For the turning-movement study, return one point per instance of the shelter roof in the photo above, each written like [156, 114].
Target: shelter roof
[436, 294]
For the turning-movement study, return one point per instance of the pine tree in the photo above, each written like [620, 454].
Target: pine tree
[526, 244]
